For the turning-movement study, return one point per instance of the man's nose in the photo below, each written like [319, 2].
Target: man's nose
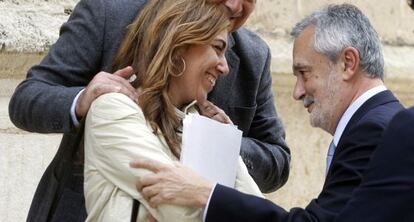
[235, 6]
[299, 90]
[223, 66]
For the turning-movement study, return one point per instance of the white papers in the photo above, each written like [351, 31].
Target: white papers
[211, 148]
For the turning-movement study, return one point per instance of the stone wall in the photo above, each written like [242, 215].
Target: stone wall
[29, 27]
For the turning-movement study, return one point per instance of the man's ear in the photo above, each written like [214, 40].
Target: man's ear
[350, 62]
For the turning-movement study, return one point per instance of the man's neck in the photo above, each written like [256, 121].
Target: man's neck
[363, 86]
[353, 107]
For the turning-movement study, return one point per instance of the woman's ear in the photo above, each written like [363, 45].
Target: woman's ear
[178, 65]
[350, 60]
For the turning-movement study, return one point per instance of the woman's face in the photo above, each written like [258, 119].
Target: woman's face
[204, 64]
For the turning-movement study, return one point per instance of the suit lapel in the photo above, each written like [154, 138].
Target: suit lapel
[224, 84]
[377, 100]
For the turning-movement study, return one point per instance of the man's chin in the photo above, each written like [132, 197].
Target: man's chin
[314, 120]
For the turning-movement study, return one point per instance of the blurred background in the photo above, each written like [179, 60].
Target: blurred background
[29, 27]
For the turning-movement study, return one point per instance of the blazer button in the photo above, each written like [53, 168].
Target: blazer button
[249, 165]
[56, 125]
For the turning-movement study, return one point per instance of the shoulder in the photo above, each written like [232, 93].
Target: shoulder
[111, 4]
[123, 7]
[247, 38]
[406, 114]
[378, 110]
[403, 120]
[370, 120]
[250, 43]
[110, 10]
[114, 106]
[382, 114]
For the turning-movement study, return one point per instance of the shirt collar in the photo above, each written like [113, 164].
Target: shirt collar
[350, 111]
[190, 108]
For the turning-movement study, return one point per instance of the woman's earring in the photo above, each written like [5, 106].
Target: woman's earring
[183, 69]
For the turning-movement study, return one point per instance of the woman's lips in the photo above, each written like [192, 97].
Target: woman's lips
[212, 79]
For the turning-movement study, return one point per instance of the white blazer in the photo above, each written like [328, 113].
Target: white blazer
[116, 133]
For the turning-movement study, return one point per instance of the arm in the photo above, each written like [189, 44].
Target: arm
[115, 134]
[264, 149]
[344, 176]
[42, 102]
[227, 204]
[195, 191]
[388, 183]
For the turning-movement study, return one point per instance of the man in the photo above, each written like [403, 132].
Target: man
[53, 99]
[338, 64]
[387, 188]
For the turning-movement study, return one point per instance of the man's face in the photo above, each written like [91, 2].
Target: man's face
[240, 11]
[318, 83]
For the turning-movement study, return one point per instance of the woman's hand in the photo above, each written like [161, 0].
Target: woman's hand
[212, 111]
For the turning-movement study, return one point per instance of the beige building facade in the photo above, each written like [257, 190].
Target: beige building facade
[29, 27]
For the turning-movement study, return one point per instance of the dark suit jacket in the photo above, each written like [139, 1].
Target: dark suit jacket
[387, 188]
[87, 44]
[358, 141]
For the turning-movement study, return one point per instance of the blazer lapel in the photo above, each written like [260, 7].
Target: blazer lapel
[224, 84]
[377, 100]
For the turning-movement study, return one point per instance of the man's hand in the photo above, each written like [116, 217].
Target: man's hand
[105, 83]
[172, 184]
[212, 111]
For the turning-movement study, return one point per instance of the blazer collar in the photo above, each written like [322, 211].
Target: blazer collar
[377, 100]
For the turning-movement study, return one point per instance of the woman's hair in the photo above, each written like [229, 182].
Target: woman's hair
[153, 47]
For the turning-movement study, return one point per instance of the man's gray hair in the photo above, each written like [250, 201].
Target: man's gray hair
[341, 26]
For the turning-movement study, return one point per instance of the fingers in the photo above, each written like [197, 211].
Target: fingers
[157, 200]
[149, 164]
[208, 109]
[151, 218]
[125, 87]
[125, 73]
[222, 117]
[212, 111]
[172, 184]
[103, 83]
[153, 195]
[152, 188]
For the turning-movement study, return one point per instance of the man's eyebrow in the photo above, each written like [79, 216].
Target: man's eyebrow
[300, 66]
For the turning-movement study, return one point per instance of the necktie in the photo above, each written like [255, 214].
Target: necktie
[329, 157]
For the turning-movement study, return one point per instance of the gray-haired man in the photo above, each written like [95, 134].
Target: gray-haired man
[339, 68]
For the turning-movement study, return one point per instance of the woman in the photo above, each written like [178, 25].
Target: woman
[178, 51]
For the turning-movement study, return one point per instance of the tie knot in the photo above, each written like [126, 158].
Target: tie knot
[331, 149]
[329, 157]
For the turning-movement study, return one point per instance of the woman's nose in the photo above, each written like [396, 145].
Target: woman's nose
[222, 66]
